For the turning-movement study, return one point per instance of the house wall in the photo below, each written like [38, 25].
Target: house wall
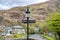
[18, 31]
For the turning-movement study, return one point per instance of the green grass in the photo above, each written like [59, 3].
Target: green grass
[19, 36]
[48, 37]
[1, 37]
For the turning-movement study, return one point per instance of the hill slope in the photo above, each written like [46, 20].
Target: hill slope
[39, 12]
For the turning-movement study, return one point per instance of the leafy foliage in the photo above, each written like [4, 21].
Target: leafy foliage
[54, 22]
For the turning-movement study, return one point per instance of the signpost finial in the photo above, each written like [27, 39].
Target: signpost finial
[27, 11]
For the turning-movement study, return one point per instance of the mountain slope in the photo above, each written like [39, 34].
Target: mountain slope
[39, 12]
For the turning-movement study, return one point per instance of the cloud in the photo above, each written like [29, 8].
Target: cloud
[6, 4]
[36, 1]
[3, 7]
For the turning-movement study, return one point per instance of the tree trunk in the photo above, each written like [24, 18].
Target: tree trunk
[59, 37]
[56, 37]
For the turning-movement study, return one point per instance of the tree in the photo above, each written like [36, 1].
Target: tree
[54, 23]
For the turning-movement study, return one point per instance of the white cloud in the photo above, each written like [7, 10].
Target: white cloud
[3, 7]
[36, 1]
[22, 0]
[6, 4]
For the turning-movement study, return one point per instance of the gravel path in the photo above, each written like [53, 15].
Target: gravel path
[34, 36]
[37, 37]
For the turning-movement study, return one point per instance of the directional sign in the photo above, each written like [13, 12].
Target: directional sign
[29, 21]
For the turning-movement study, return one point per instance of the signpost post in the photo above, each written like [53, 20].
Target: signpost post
[28, 21]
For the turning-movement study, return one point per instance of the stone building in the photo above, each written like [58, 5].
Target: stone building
[18, 29]
[13, 30]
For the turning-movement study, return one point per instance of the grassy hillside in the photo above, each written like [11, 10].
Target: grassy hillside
[39, 12]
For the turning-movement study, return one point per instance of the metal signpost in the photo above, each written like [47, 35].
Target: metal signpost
[28, 21]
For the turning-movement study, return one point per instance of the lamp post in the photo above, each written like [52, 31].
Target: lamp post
[28, 21]
[27, 16]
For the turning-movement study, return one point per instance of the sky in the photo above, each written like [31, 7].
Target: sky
[7, 4]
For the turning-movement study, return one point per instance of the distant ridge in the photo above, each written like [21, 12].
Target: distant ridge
[38, 12]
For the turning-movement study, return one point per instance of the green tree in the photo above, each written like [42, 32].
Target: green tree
[54, 23]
